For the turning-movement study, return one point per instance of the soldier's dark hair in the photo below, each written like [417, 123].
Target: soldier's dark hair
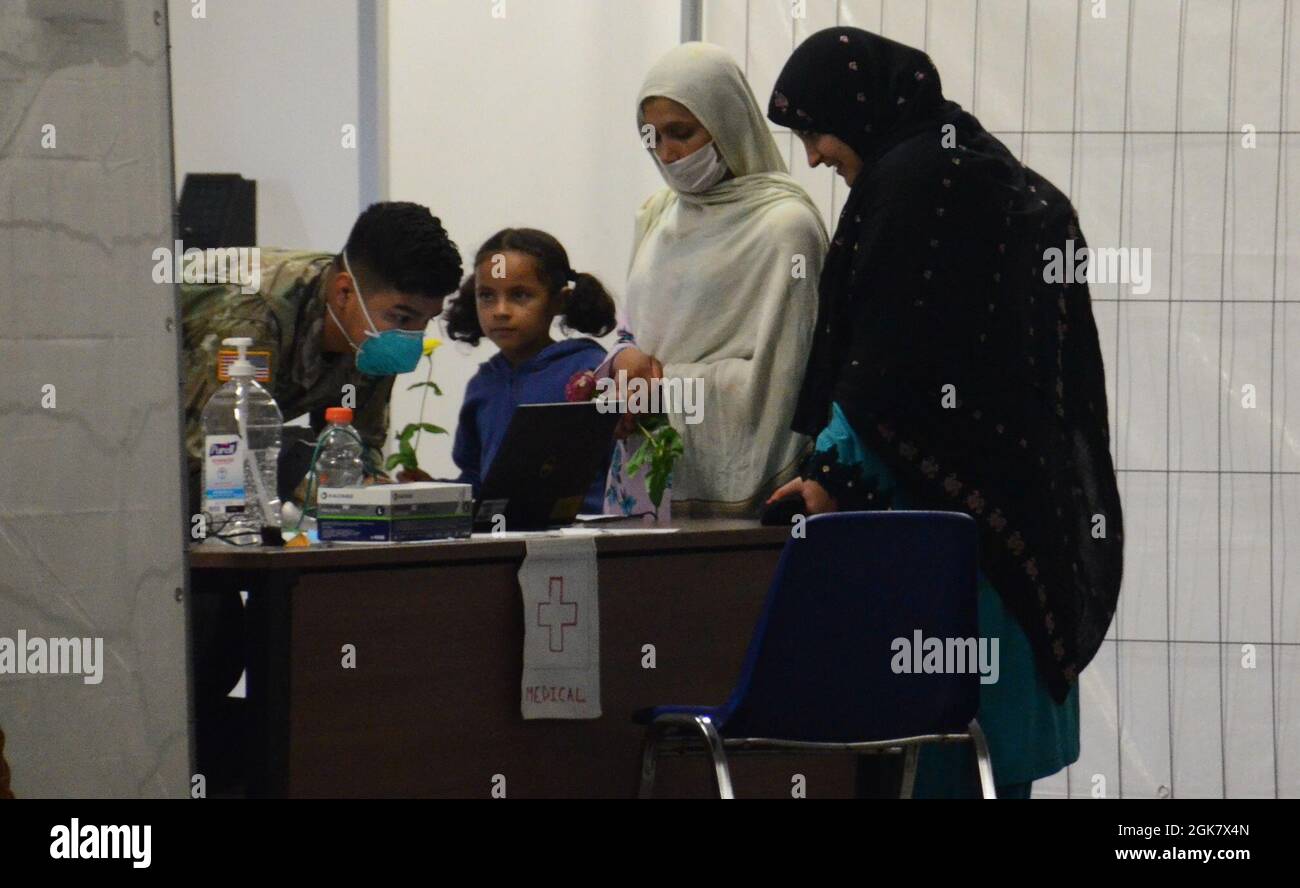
[589, 308]
[401, 246]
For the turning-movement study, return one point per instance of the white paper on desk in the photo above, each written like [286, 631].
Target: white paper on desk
[614, 531]
[558, 581]
[513, 534]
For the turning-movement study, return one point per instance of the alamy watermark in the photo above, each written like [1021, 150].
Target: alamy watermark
[53, 656]
[949, 656]
[78, 841]
[1099, 265]
[667, 395]
[215, 265]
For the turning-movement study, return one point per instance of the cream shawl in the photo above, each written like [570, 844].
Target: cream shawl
[723, 288]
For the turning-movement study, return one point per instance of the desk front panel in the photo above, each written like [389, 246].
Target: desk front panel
[432, 705]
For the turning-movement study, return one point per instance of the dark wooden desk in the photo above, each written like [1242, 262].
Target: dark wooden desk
[432, 707]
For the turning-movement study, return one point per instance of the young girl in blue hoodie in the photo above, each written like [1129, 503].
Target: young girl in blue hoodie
[520, 283]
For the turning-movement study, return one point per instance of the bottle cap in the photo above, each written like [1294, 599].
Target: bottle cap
[241, 366]
[338, 414]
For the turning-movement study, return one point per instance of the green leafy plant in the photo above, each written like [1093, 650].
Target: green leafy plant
[657, 453]
[408, 439]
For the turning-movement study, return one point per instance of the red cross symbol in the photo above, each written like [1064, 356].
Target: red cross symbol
[556, 610]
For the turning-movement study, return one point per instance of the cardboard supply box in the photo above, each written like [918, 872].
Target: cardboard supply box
[394, 513]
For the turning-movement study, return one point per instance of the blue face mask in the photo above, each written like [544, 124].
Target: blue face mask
[382, 354]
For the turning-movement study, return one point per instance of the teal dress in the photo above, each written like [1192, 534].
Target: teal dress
[1030, 735]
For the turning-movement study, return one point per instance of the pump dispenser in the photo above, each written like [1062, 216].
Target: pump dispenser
[241, 365]
[242, 429]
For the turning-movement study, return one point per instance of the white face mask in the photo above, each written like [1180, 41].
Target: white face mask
[698, 171]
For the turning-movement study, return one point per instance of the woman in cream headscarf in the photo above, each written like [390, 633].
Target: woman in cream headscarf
[723, 281]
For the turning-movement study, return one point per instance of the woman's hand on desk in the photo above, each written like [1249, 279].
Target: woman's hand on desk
[815, 497]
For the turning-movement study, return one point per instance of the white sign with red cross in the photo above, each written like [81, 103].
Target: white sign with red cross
[558, 581]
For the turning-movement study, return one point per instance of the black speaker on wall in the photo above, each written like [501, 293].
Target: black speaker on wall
[218, 210]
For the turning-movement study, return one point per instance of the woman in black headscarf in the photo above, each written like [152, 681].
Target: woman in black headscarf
[952, 369]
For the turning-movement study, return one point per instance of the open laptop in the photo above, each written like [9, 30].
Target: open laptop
[548, 461]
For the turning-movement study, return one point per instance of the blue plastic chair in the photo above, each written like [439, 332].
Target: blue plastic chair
[820, 672]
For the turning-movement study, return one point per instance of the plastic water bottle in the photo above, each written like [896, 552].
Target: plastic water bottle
[242, 429]
[339, 462]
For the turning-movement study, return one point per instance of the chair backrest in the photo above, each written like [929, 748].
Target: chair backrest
[849, 606]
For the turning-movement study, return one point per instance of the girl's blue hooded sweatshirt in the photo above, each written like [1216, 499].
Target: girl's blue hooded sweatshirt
[497, 389]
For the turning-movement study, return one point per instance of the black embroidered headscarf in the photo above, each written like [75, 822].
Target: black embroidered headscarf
[978, 381]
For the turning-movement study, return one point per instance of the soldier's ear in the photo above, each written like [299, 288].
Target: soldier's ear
[341, 288]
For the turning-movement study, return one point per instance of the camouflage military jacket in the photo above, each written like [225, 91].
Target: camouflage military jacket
[285, 319]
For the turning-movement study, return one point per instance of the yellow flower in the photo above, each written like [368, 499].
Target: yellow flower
[430, 345]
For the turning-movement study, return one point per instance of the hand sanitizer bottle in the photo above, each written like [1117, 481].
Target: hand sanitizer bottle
[242, 429]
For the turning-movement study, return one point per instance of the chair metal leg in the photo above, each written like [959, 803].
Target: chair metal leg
[650, 752]
[649, 758]
[983, 763]
[910, 756]
[721, 773]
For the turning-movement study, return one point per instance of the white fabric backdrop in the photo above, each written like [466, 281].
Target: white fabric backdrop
[90, 482]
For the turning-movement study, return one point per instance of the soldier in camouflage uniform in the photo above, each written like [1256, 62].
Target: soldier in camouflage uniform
[405, 264]
[307, 325]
